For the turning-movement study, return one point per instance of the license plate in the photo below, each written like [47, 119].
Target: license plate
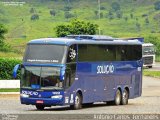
[39, 101]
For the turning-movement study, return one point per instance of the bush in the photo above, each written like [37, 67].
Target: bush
[76, 27]
[157, 5]
[35, 17]
[6, 68]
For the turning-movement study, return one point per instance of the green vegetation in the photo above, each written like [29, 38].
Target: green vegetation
[76, 27]
[6, 67]
[39, 19]
[151, 73]
[10, 90]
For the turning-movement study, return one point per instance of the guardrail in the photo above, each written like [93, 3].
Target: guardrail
[9, 84]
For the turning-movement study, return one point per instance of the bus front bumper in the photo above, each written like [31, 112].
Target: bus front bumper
[42, 101]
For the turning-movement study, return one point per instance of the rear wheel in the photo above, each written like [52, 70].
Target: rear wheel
[77, 102]
[125, 96]
[117, 100]
[40, 107]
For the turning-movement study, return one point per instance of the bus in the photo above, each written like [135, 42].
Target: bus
[76, 72]
[148, 55]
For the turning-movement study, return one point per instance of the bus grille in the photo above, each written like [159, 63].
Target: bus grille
[148, 60]
[137, 85]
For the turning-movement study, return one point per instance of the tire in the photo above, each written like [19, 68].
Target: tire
[40, 107]
[117, 100]
[149, 66]
[125, 96]
[118, 96]
[77, 102]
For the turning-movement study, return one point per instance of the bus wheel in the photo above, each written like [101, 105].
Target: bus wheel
[125, 96]
[117, 100]
[40, 107]
[77, 102]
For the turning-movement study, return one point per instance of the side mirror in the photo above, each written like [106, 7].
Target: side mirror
[62, 73]
[15, 70]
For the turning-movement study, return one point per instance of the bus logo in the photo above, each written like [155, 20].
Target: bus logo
[105, 69]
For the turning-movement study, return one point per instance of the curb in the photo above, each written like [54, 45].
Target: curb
[9, 93]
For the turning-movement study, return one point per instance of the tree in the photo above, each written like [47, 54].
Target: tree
[115, 6]
[3, 30]
[32, 10]
[110, 15]
[138, 27]
[147, 21]
[157, 5]
[126, 18]
[62, 30]
[119, 14]
[35, 17]
[96, 12]
[68, 15]
[67, 8]
[131, 15]
[76, 27]
[52, 12]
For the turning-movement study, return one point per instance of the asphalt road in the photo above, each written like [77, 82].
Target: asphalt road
[148, 103]
[156, 67]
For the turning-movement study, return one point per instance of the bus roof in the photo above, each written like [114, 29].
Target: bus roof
[92, 37]
[147, 44]
[70, 41]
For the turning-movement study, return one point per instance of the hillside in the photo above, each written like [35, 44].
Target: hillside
[134, 18]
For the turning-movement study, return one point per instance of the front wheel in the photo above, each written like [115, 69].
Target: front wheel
[77, 102]
[125, 95]
[40, 107]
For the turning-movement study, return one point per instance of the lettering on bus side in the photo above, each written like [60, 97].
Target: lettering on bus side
[105, 69]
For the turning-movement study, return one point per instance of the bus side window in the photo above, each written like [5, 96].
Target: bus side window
[72, 54]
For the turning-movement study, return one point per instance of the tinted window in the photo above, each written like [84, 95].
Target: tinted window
[45, 53]
[109, 52]
[128, 52]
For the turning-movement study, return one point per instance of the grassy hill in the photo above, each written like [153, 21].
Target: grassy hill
[136, 18]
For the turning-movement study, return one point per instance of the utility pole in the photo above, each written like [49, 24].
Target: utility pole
[99, 13]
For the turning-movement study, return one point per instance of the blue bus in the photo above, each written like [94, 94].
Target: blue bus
[70, 71]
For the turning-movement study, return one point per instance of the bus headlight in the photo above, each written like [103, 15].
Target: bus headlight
[57, 97]
[24, 95]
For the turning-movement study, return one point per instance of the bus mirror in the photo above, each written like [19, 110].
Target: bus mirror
[62, 74]
[15, 70]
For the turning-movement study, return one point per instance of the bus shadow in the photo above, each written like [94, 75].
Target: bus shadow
[67, 108]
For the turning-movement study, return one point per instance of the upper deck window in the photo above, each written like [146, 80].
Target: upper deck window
[38, 53]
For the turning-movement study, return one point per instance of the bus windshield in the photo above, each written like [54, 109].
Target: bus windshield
[147, 50]
[44, 77]
[38, 53]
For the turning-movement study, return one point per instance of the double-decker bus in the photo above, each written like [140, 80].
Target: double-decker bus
[148, 55]
[66, 71]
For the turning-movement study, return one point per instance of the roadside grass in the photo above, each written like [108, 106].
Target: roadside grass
[9, 90]
[151, 73]
[157, 58]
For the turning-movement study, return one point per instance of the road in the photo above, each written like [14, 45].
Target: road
[156, 67]
[148, 103]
